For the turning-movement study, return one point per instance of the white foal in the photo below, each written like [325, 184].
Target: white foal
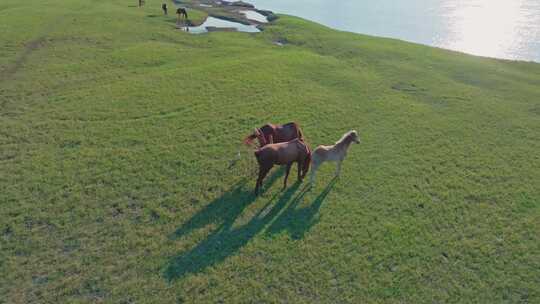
[334, 153]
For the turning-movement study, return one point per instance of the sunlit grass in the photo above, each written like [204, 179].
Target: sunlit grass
[117, 135]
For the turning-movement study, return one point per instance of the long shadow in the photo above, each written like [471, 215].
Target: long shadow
[225, 240]
[299, 221]
[226, 208]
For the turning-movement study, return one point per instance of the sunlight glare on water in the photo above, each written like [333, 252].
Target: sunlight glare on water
[493, 28]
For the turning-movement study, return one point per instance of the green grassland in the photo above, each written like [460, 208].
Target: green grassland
[117, 180]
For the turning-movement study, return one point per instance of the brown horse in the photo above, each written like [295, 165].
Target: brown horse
[283, 154]
[270, 133]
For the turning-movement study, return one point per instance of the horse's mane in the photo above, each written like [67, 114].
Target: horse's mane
[345, 136]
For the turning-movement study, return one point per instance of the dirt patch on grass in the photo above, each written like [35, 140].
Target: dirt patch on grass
[19, 62]
[407, 87]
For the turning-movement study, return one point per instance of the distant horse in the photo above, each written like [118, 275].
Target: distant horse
[334, 153]
[164, 8]
[181, 12]
[283, 154]
[271, 133]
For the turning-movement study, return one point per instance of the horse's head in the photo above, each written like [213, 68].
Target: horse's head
[256, 134]
[354, 137]
[249, 139]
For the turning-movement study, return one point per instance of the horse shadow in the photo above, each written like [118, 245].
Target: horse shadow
[226, 240]
[297, 222]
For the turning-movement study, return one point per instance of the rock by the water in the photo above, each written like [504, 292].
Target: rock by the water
[242, 4]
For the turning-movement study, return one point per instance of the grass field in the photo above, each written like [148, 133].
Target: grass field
[117, 133]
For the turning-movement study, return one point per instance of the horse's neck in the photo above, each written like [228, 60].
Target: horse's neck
[343, 145]
[270, 132]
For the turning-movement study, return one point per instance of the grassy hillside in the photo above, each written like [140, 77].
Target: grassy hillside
[117, 133]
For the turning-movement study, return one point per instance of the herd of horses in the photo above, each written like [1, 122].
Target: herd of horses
[285, 145]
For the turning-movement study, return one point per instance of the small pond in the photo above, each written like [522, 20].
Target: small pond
[215, 24]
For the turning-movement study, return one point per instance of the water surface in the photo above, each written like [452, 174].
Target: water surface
[507, 29]
[222, 24]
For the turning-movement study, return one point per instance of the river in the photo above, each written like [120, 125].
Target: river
[508, 29]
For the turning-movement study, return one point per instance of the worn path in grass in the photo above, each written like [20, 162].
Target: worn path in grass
[118, 131]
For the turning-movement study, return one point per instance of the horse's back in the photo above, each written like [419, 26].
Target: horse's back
[282, 153]
[290, 126]
[290, 151]
[325, 153]
[287, 146]
[267, 128]
[289, 131]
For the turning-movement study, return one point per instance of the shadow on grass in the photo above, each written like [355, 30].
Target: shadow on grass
[226, 208]
[226, 240]
[298, 221]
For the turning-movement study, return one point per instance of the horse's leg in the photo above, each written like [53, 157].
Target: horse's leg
[314, 166]
[263, 170]
[300, 166]
[305, 167]
[266, 172]
[287, 170]
[338, 167]
[259, 180]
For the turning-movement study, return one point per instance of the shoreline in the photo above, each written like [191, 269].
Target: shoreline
[231, 11]
[226, 10]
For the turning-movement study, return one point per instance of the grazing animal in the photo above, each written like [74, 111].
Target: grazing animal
[283, 154]
[164, 8]
[335, 153]
[181, 12]
[270, 133]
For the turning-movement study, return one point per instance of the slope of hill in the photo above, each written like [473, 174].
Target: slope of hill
[118, 132]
